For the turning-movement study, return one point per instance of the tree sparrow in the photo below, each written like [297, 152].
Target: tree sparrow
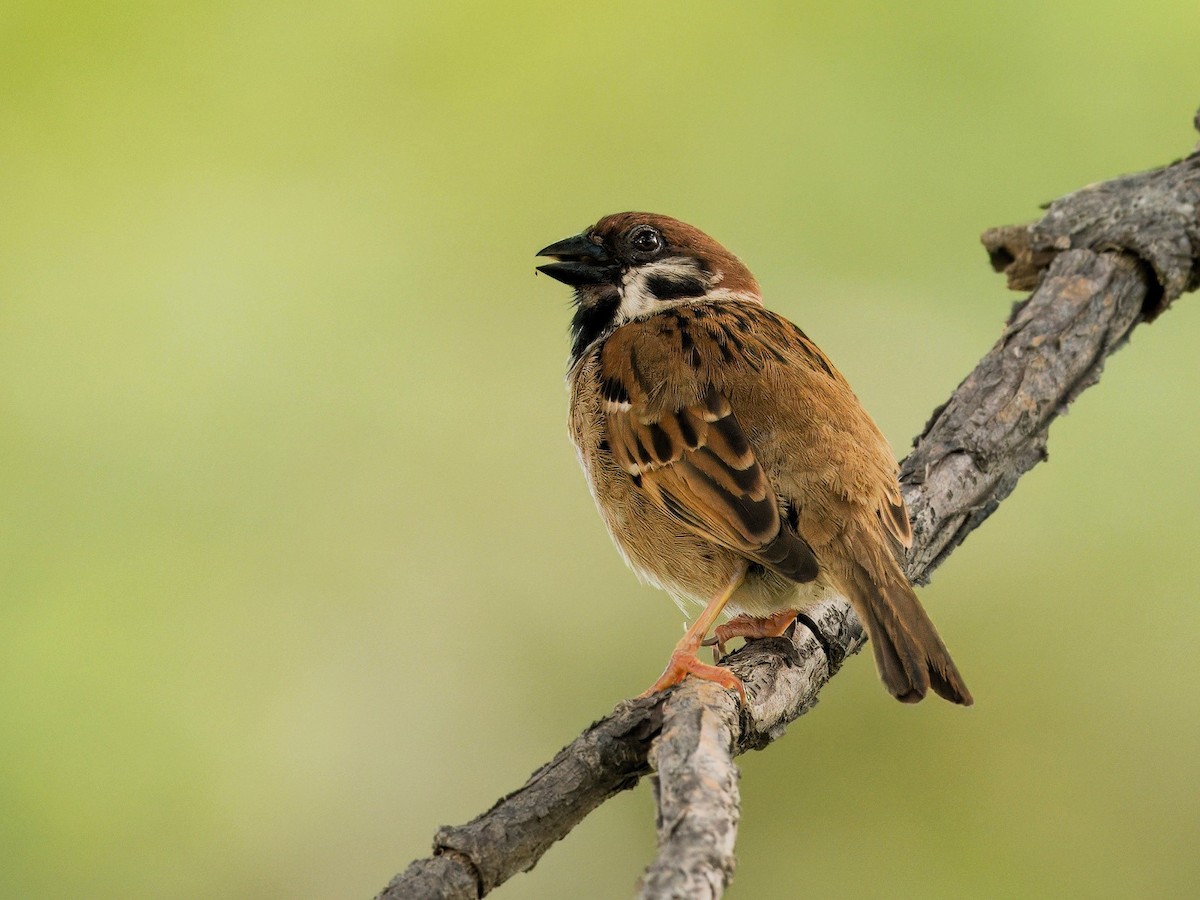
[729, 459]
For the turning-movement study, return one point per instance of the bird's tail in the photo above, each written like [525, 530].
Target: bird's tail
[908, 651]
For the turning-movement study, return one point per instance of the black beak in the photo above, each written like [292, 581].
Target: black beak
[582, 262]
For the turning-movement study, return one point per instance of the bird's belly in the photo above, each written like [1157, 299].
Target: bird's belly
[691, 567]
[764, 593]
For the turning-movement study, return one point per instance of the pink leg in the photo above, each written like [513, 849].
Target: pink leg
[685, 662]
[745, 626]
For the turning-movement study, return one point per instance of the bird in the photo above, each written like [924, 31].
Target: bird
[731, 462]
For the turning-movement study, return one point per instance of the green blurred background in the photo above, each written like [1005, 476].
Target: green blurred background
[296, 563]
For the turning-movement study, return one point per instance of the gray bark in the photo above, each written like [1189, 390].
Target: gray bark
[1099, 262]
[697, 796]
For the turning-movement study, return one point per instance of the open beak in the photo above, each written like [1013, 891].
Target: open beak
[581, 262]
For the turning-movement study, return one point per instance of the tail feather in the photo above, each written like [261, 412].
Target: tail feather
[909, 654]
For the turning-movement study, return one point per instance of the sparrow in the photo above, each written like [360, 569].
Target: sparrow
[730, 461]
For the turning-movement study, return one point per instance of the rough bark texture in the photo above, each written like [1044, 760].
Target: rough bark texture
[1151, 216]
[607, 758]
[697, 793]
[782, 676]
[994, 428]
[1102, 260]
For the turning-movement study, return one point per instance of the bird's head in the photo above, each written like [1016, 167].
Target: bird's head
[631, 265]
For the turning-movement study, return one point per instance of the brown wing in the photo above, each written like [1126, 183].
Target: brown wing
[676, 435]
[794, 348]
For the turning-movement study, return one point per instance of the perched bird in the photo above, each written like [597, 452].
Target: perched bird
[730, 460]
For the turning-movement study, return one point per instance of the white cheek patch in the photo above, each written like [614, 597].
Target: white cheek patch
[637, 299]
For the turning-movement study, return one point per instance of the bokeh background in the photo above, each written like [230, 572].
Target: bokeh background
[296, 563]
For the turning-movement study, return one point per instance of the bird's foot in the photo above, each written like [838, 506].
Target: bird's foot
[684, 663]
[745, 626]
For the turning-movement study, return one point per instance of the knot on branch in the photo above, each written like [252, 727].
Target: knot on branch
[1152, 216]
[1012, 255]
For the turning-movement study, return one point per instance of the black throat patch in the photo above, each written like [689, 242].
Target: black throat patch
[592, 320]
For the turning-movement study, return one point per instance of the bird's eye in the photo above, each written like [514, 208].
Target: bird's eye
[645, 239]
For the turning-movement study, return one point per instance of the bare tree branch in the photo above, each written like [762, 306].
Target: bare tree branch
[994, 427]
[1102, 260]
[697, 793]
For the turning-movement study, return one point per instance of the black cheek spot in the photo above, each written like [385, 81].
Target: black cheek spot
[675, 288]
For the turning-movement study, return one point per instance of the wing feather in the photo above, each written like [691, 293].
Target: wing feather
[686, 450]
